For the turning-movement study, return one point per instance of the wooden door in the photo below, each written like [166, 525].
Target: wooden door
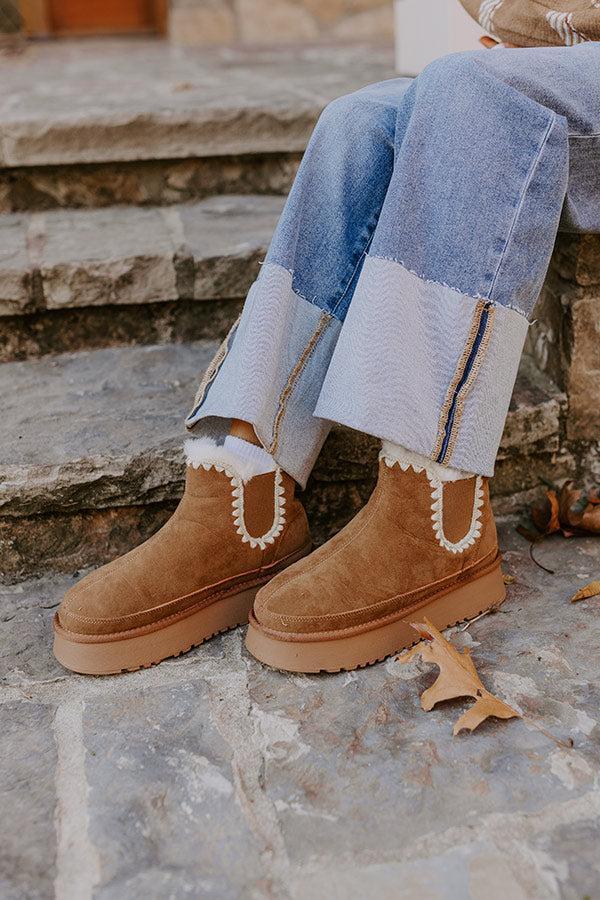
[88, 17]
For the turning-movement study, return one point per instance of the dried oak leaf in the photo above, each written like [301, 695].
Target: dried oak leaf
[579, 509]
[589, 590]
[458, 678]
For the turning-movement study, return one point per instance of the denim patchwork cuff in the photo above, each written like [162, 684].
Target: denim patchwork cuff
[424, 366]
[269, 372]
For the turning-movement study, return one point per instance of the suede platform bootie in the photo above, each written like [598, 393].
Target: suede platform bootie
[194, 578]
[420, 547]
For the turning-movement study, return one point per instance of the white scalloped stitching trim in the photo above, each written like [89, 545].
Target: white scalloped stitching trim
[278, 518]
[394, 454]
[474, 532]
[399, 456]
[207, 454]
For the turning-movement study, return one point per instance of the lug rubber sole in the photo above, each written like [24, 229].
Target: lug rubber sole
[116, 653]
[304, 653]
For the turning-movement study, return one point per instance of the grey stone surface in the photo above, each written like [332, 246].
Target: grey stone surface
[102, 101]
[28, 762]
[226, 238]
[95, 327]
[182, 831]
[123, 255]
[210, 775]
[15, 267]
[535, 412]
[91, 257]
[97, 429]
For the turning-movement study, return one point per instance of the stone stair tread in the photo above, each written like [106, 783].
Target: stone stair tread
[96, 428]
[69, 258]
[116, 100]
[104, 428]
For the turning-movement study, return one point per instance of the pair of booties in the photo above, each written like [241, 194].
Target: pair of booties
[237, 550]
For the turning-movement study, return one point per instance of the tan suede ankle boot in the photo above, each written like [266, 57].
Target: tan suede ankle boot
[420, 547]
[195, 577]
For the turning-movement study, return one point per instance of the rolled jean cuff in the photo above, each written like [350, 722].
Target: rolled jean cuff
[269, 371]
[425, 366]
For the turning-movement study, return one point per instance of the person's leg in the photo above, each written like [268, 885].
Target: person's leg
[428, 353]
[240, 520]
[271, 367]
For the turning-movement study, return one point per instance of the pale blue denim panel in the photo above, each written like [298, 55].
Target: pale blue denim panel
[393, 381]
[272, 374]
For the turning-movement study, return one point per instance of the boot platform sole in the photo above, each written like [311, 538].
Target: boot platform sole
[374, 642]
[112, 654]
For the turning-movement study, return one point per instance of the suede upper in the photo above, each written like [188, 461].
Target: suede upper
[196, 556]
[414, 538]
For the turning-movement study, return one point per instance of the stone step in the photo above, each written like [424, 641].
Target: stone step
[60, 270]
[91, 463]
[111, 121]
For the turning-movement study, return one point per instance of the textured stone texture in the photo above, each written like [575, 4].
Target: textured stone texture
[565, 339]
[578, 259]
[583, 379]
[209, 22]
[66, 542]
[152, 102]
[93, 327]
[122, 255]
[16, 286]
[203, 23]
[145, 182]
[92, 463]
[27, 795]
[211, 774]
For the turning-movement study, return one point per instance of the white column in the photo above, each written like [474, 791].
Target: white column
[426, 29]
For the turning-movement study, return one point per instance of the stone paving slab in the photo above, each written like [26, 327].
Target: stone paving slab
[98, 101]
[28, 765]
[122, 255]
[212, 775]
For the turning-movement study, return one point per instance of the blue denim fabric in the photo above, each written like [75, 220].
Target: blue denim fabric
[465, 169]
[420, 226]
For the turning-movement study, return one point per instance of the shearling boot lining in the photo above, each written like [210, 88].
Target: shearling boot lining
[393, 453]
[206, 453]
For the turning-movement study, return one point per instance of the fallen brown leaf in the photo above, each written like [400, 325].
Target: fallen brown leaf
[545, 515]
[458, 678]
[579, 509]
[571, 510]
[589, 590]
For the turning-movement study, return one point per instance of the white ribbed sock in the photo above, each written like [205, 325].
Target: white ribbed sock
[256, 459]
[406, 458]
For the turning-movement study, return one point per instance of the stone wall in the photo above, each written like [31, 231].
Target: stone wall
[565, 342]
[260, 22]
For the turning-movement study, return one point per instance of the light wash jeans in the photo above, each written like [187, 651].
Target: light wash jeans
[396, 293]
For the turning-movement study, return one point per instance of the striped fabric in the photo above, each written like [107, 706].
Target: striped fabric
[534, 23]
